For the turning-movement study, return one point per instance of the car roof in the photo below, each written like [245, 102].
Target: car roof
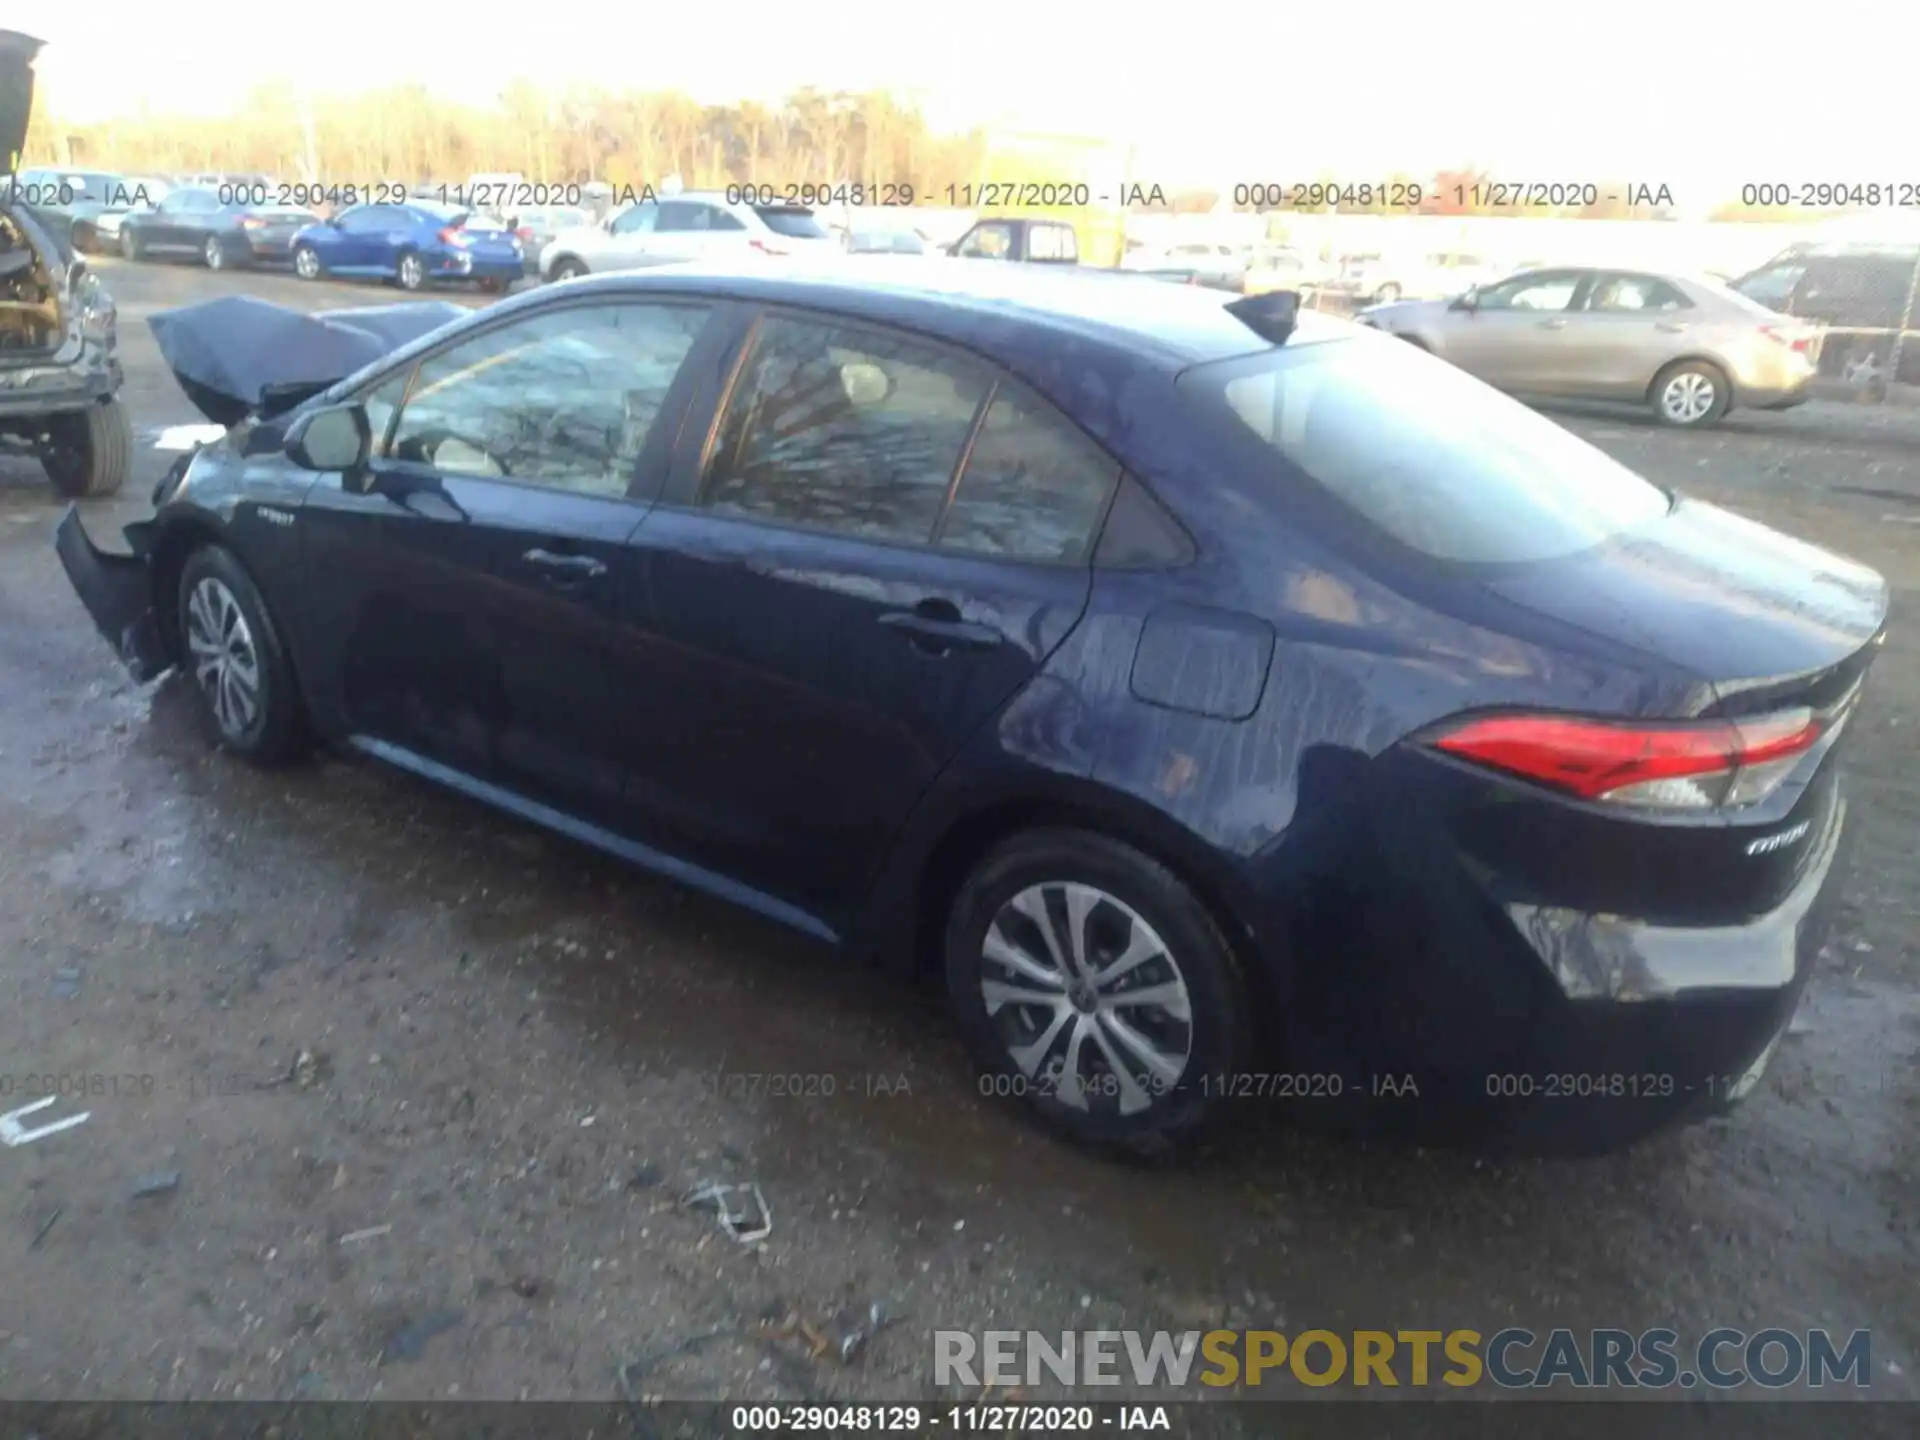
[1004, 311]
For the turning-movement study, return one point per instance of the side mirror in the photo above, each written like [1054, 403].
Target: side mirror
[338, 438]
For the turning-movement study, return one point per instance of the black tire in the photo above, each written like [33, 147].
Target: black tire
[566, 268]
[274, 731]
[1688, 377]
[130, 246]
[409, 272]
[307, 263]
[215, 255]
[86, 239]
[1217, 1036]
[89, 453]
[1386, 294]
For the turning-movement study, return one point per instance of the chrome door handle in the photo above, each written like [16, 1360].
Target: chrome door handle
[583, 566]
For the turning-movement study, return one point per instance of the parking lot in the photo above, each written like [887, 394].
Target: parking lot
[433, 1083]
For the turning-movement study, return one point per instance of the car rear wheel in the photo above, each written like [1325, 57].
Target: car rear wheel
[1092, 986]
[1386, 294]
[90, 453]
[411, 272]
[306, 263]
[568, 269]
[130, 245]
[1691, 393]
[214, 252]
[231, 651]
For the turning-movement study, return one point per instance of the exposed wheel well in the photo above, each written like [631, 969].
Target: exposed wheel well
[967, 843]
[176, 542]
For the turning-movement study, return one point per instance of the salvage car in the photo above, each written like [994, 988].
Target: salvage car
[1206, 690]
[60, 372]
[84, 203]
[1683, 346]
[412, 245]
[688, 225]
[217, 227]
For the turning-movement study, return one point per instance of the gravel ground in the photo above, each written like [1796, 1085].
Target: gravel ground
[432, 1082]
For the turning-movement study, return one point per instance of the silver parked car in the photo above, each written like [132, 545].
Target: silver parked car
[1686, 346]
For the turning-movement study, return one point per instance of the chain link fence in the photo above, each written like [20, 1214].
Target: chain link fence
[1863, 299]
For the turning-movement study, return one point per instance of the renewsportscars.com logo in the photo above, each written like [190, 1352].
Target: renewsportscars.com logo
[1512, 1359]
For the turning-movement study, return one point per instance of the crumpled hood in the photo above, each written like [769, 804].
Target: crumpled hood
[237, 355]
[17, 53]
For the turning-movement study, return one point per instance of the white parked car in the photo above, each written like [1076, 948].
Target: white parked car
[688, 226]
[1381, 279]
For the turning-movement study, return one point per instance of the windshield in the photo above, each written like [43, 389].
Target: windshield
[795, 223]
[1442, 463]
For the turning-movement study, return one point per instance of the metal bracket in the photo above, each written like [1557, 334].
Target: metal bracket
[12, 1132]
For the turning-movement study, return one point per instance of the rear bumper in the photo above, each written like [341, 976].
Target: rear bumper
[468, 267]
[56, 389]
[118, 593]
[1417, 1002]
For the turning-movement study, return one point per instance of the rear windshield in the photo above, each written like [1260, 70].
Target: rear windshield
[792, 221]
[1442, 463]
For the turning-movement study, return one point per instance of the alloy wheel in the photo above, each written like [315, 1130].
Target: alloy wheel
[226, 664]
[216, 254]
[1688, 398]
[306, 264]
[1087, 999]
[410, 272]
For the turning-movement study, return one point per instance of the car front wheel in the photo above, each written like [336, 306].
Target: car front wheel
[231, 651]
[214, 252]
[411, 272]
[306, 262]
[1092, 986]
[1691, 394]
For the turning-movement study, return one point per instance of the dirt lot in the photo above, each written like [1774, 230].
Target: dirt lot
[468, 1186]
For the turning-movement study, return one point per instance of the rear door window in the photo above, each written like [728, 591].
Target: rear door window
[1033, 489]
[1634, 295]
[843, 429]
[1437, 461]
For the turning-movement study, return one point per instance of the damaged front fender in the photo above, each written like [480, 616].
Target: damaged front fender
[118, 593]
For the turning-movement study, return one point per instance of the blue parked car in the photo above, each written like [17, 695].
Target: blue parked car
[410, 244]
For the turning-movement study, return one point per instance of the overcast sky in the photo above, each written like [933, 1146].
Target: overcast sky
[1698, 96]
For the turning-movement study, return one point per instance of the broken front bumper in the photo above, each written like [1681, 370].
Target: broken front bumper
[118, 593]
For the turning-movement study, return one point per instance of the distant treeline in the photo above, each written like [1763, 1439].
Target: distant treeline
[408, 135]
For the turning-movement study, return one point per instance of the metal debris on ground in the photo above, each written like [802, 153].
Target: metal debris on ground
[852, 1329]
[747, 1223]
[156, 1182]
[12, 1132]
[373, 1232]
[309, 1069]
[45, 1226]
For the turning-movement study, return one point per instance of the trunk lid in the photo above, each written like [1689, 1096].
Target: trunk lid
[17, 54]
[1760, 617]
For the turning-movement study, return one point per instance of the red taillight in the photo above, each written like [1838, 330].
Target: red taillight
[1681, 766]
[1798, 341]
[252, 222]
[525, 232]
[452, 235]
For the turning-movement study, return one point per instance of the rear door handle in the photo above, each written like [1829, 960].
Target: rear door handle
[579, 567]
[941, 630]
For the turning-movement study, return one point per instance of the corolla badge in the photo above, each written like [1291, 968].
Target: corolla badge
[1767, 844]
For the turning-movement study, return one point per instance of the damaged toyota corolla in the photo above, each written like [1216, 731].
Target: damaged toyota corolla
[59, 367]
[1233, 705]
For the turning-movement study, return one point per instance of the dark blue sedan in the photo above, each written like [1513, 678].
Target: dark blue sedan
[1237, 710]
[412, 245]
